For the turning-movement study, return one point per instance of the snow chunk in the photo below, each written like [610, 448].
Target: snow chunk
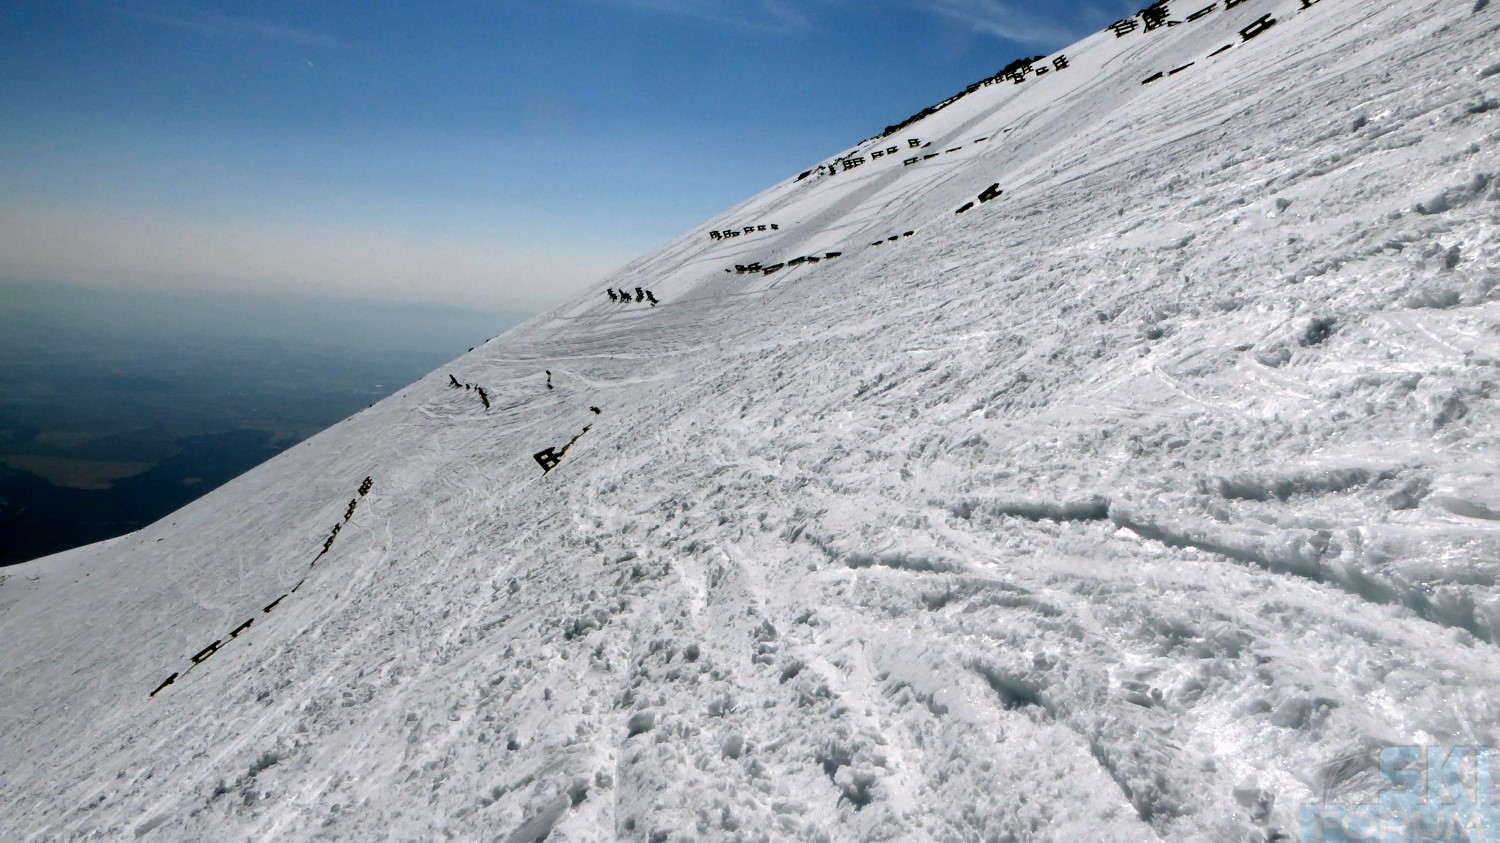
[640, 723]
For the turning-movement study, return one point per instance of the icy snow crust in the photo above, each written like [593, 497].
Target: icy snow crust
[1148, 501]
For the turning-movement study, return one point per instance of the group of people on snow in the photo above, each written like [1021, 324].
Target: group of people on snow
[623, 296]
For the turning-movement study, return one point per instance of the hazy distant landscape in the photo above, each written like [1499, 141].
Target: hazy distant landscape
[118, 408]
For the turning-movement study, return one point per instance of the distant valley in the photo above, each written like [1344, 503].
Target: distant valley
[118, 408]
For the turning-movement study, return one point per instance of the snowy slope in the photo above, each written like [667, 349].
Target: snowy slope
[1147, 501]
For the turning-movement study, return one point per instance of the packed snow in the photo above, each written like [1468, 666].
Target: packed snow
[1148, 499]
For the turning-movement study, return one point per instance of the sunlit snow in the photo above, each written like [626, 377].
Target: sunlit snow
[1147, 500]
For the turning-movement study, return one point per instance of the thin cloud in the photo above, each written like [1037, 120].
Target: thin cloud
[228, 26]
[774, 16]
[1016, 23]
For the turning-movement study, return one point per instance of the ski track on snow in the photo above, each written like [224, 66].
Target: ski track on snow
[1147, 501]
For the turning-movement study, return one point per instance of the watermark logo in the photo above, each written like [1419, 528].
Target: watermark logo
[1427, 795]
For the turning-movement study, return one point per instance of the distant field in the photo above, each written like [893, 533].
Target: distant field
[75, 473]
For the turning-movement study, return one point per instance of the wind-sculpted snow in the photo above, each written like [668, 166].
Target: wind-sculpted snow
[1149, 500]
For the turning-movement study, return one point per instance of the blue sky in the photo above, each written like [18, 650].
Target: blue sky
[495, 154]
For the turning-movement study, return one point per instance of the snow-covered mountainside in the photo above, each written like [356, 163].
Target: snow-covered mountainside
[1148, 499]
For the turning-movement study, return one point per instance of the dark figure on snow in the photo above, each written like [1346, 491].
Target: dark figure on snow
[549, 378]
[1155, 16]
[594, 410]
[612, 296]
[639, 296]
[452, 381]
[170, 680]
[547, 458]
[624, 295]
[651, 298]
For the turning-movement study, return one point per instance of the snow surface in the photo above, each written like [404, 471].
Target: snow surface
[1145, 502]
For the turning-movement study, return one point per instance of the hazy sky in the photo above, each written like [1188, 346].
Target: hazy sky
[496, 154]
